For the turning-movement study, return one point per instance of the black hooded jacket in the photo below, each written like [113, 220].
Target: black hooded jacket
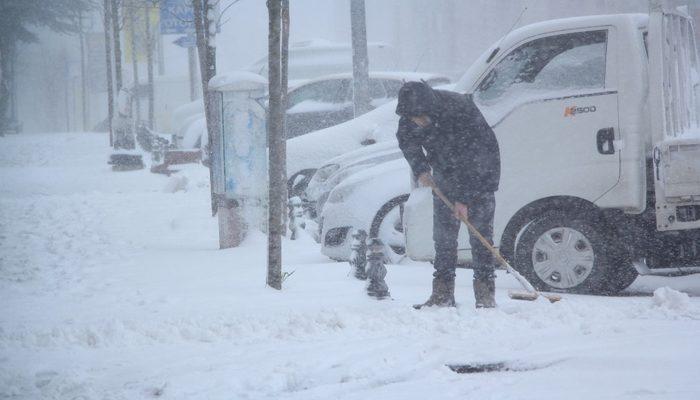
[460, 146]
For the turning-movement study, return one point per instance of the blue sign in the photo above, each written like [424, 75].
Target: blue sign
[176, 17]
[186, 41]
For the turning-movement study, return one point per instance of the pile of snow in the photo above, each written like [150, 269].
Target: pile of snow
[176, 183]
[670, 299]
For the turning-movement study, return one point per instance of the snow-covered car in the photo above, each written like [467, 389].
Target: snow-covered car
[306, 153]
[181, 113]
[327, 101]
[337, 169]
[371, 199]
[311, 58]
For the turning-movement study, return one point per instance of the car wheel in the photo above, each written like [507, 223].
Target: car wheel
[388, 226]
[560, 252]
[297, 183]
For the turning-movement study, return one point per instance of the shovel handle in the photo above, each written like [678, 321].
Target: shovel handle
[524, 282]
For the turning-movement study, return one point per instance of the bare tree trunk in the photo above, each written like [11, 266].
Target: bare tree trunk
[203, 13]
[284, 77]
[108, 52]
[116, 28]
[83, 77]
[149, 62]
[192, 69]
[135, 96]
[360, 62]
[277, 36]
[8, 93]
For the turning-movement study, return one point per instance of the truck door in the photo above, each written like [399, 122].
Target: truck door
[553, 103]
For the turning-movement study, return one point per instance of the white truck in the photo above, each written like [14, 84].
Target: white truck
[596, 119]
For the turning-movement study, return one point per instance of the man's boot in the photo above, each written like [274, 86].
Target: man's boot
[443, 294]
[485, 292]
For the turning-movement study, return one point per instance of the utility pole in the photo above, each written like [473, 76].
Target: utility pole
[360, 62]
[108, 53]
[192, 68]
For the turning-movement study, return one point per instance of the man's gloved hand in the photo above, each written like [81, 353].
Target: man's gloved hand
[461, 210]
[426, 179]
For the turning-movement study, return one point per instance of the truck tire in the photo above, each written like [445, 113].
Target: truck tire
[563, 252]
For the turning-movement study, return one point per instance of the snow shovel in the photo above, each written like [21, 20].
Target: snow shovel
[531, 293]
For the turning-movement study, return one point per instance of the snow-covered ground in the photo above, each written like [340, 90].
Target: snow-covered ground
[112, 287]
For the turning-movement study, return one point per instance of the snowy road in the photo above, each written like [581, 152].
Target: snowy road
[113, 288]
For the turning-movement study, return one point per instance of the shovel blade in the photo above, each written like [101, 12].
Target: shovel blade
[553, 298]
[529, 296]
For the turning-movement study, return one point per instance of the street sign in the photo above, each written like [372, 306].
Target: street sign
[186, 41]
[176, 17]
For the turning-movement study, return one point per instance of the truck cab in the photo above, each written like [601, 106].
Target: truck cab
[600, 181]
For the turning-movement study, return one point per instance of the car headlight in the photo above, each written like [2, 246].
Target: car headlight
[314, 191]
[325, 172]
[317, 189]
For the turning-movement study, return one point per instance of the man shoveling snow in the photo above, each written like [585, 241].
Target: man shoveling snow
[462, 151]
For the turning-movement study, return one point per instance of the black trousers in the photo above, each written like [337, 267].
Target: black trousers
[481, 207]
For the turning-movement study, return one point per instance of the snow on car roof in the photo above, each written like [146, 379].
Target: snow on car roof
[554, 25]
[327, 44]
[237, 80]
[397, 75]
[313, 149]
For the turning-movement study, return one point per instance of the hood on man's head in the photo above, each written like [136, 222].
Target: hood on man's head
[416, 98]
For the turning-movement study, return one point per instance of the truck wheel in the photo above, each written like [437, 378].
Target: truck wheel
[560, 252]
[388, 226]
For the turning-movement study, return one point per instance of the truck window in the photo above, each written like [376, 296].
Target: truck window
[568, 62]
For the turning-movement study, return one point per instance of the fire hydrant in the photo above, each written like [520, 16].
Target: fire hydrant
[377, 287]
[358, 255]
[296, 217]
